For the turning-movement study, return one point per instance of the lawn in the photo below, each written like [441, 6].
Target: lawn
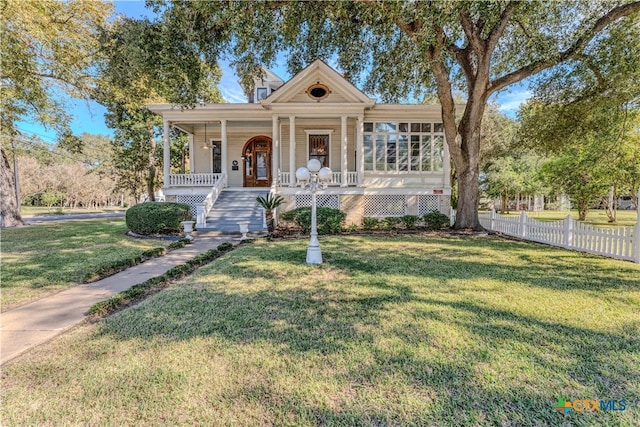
[40, 259]
[596, 217]
[445, 331]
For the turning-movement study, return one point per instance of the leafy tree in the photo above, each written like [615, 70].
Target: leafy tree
[144, 62]
[46, 49]
[577, 173]
[593, 101]
[406, 48]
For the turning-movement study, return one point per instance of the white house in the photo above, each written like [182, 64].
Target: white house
[387, 159]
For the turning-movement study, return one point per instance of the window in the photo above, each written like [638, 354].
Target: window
[319, 148]
[216, 157]
[318, 91]
[403, 147]
[262, 93]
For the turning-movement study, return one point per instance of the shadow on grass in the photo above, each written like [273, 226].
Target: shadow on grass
[473, 363]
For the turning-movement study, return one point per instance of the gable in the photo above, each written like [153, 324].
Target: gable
[318, 83]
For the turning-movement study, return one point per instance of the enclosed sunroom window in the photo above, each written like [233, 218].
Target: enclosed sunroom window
[403, 146]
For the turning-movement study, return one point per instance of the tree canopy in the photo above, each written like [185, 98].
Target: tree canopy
[142, 62]
[46, 49]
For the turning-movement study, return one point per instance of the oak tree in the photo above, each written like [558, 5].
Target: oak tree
[46, 49]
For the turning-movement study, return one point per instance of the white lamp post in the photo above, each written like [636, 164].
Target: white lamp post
[314, 176]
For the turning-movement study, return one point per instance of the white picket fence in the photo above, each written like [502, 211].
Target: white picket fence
[620, 242]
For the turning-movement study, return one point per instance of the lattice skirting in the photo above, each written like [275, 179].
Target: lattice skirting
[428, 203]
[323, 201]
[384, 205]
[192, 201]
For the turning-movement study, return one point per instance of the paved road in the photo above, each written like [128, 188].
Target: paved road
[71, 217]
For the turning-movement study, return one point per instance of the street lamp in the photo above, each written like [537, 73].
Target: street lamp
[312, 177]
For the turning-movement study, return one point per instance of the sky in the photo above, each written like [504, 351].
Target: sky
[88, 117]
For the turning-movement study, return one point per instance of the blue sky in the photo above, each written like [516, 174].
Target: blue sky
[89, 116]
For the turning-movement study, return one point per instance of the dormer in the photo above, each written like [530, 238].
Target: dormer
[264, 86]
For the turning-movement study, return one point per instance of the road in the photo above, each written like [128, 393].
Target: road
[71, 217]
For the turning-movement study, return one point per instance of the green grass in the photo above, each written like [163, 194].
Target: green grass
[57, 210]
[598, 218]
[41, 259]
[444, 331]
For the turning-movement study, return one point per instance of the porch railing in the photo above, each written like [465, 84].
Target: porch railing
[204, 209]
[336, 179]
[194, 179]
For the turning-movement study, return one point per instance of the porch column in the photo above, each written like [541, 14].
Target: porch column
[343, 150]
[360, 149]
[192, 151]
[223, 154]
[275, 149]
[292, 151]
[166, 158]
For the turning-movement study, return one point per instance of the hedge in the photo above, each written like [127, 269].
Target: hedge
[330, 221]
[157, 218]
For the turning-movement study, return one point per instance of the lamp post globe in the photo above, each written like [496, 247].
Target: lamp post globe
[314, 165]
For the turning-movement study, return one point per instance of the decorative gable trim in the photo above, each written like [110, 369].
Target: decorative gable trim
[307, 78]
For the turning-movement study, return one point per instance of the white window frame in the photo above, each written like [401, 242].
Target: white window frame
[432, 134]
[328, 132]
[266, 93]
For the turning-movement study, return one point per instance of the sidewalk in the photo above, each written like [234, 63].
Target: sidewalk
[35, 323]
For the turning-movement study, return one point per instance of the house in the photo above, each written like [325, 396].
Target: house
[387, 159]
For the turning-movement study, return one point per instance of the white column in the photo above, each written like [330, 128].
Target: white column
[343, 150]
[223, 142]
[292, 150]
[360, 149]
[275, 149]
[166, 153]
[192, 153]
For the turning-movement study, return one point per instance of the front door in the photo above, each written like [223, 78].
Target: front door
[256, 156]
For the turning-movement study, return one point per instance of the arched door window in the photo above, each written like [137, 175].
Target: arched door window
[256, 156]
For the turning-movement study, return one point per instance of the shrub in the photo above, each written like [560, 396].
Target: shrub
[179, 244]
[224, 247]
[435, 220]
[390, 222]
[330, 221]
[369, 223]
[409, 221]
[157, 218]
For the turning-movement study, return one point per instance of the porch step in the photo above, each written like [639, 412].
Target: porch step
[234, 206]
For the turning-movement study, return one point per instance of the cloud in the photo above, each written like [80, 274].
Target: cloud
[510, 101]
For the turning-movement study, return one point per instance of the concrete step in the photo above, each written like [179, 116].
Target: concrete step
[232, 207]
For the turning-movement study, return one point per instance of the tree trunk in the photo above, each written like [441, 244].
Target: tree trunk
[9, 207]
[468, 197]
[583, 209]
[465, 152]
[271, 226]
[504, 203]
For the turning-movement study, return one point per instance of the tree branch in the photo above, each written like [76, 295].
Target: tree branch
[498, 29]
[571, 51]
[471, 32]
[586, 60]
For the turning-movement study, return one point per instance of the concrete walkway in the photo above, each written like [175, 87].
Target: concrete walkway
[35, 323]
